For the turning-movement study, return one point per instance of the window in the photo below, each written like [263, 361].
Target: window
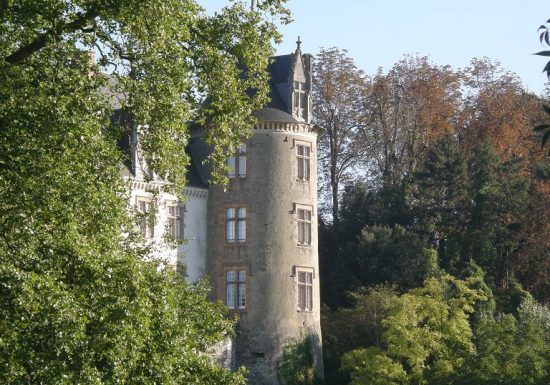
[235, 224]
[304, 281]
[146, 221]
[300, 99]
[235, 289]
[303, 157]
[237, 164]
[175, 220]
[304, 227]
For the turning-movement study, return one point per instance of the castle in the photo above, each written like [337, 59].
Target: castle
[255, 238]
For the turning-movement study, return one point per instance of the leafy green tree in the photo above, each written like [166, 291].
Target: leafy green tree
[471, 206]
[165, 73]
[339, 256]
[346, 329]
[391, 255]
[511, 349]
[78, 304]
[371, 366]
[296, 365]
[442, 198]
[427, 335]
[499, 197]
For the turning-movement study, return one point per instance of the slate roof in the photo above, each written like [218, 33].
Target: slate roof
[198, 172]
[275, 115]
[279, 70]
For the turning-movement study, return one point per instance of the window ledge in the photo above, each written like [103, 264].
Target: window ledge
[233, 244]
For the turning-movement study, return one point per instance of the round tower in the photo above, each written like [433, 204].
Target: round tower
[262, 255]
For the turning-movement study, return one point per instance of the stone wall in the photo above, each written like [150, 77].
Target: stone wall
[271, 254]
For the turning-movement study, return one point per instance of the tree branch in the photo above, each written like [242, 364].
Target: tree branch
[42, 40]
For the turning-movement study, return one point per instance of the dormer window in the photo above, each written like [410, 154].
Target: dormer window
[300, 99]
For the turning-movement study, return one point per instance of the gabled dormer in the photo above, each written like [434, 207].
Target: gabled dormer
[300, 73]
[291, 79]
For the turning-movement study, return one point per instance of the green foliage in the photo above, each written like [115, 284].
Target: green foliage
[392, 255]
[427, 335]
[542, 170]
[296, 365]
[511, 350]
[106, 319]
[371, 366]
[442, 198]
[346, 329]
[342, 264]
[78, 304]
[184, 67]
[499, 195]
[444, 333]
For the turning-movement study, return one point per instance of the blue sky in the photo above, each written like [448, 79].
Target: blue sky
[378, 33]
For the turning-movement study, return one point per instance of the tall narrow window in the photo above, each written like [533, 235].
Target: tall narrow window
[146, 223]
[304, 227]
[175, 220]
[305, 290]
[235, 289]
[303, 157]
[235, 224]
[237, 163]
[300, 99]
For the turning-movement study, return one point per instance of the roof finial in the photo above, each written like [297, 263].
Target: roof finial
[298, 42]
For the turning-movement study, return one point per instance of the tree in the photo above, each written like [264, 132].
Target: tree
[342, 261]
[496, 110]
[346, 329]
[391, 255]
[471, 206]
[442, 198]
[371, 365]
[499, 198]
[444, 333]
[427, 335]
[544, 38]
[511, 349]
[78, 304]
[338, 96]
[405, 110]
[165, 73]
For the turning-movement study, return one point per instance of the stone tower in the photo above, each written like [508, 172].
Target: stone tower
[262, 256]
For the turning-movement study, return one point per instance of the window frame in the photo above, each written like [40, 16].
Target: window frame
[300, 98]
[145, 225]
[241, 287]
[303, 162]
[304, 288]
[304, 225]
[236, 225]
[238, 163]
[177, 217]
